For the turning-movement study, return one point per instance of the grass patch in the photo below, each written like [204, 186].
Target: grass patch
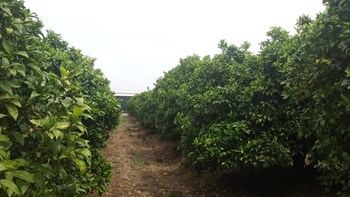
[124, 119]
[126, 123]
[137, 161]
[128, 129]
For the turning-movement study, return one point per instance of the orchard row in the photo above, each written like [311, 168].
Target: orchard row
[56, 110]
[286, 105]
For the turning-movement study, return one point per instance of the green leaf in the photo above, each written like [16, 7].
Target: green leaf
[8, 47]
[58, 134]
[24, 175]
[80, 101]
[22, 72]
[55, 147]
[80, 163]
[81, 128]
[50, 134]
[2, 166]
[17, 21]
[19, 137]
[12, 109]
[38, 122]
[66, 102]
[20, 68]
[62, 125]
[4, 155]
[39, 180]
[326, 61]
[19, 162]
[5, 97]
[16, 102]
[19, 27]
[2, 115]
[10, 185]
[85, 151]
[5, 61]
[13, 72]
[9, 165]
[5, 142]
[77, 111]
[22, 53]
[322, 123]
[23, 186]
[4, 138]
[33, 95]
[7, 10]
[87, 116]
[9, 30]
[6, 86]
[63, 72]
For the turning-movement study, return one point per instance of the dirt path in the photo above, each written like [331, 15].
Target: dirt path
[144, 166]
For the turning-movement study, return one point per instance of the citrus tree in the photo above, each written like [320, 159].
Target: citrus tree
[44, 135]
[287, 106]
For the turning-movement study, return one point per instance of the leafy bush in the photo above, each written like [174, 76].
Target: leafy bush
[142, 106]
[44, 134]
[275, 108]
[317, 88]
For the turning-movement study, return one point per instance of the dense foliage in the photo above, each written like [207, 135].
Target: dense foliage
[287, 105]
[55, 112]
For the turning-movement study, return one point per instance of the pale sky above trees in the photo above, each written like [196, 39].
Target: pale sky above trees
[135, 41]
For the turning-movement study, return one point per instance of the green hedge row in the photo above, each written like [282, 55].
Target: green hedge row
[56, 110]
[288, 105]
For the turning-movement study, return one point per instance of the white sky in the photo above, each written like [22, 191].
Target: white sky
[135, 41]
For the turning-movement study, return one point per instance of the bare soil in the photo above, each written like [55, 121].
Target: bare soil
[144, 166]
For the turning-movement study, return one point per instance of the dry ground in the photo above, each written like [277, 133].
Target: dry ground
[145, 166]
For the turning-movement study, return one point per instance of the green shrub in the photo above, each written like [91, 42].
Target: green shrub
[239, 109]
[44, 110]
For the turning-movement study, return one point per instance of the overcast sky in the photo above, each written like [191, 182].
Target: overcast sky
[135, 41]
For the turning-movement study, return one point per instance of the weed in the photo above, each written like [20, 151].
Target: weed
[137, 161]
